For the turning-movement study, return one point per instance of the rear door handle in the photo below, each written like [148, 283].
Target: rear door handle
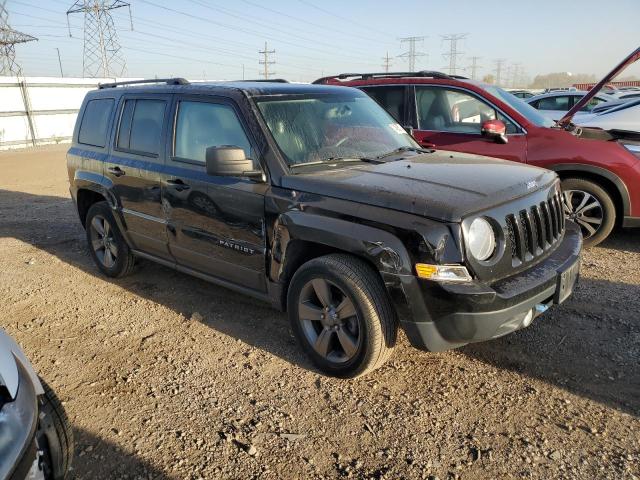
[178, 184]
[116, 171]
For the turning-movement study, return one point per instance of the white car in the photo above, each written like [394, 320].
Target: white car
[556, 104]
[622, 118]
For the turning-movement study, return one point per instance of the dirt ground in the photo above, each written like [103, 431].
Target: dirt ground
[167, 376]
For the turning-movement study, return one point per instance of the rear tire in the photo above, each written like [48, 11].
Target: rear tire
[342, 316]
[55, 435]
[107, 246]
[591, 207]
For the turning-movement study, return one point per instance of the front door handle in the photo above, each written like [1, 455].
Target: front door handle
[427, 144]
[116, 171]
[178, 184]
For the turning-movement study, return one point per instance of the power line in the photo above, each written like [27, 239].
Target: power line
[453, 54]
[386, 62]
[346, 19]
[266, 62]
[412, 54]
[9, 38]
[102, 56]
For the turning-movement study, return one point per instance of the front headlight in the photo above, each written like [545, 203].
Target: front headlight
[481, 240]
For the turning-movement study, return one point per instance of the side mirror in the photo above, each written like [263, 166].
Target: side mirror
[495, 130]
[229, 161]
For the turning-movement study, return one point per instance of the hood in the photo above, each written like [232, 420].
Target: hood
[445, 186]
[631, 58]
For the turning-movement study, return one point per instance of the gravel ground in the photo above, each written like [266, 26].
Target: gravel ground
[166, 376]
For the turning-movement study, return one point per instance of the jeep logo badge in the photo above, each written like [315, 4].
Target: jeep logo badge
[532, 184]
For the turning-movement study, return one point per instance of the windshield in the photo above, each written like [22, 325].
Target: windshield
[312, 128]
[622, 106]
[523, 108]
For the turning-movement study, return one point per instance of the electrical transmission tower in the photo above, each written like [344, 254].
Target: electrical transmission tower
[9, 38]
[102, 52]
[412, 53]
[453, 54]
[515, 74]
[265, 62]
[499, 63]
[474, 67]
[386, 62]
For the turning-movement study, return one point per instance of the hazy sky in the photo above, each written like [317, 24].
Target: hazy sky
[214, 38]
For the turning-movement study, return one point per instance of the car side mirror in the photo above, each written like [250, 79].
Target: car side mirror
[495, 130]
[229, 161]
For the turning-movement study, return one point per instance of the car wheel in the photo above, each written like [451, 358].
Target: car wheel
[55, 436]
[591, 207]
[342, 316]
[108, 248]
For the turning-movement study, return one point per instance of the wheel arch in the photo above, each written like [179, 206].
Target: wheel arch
[606, 179]
[299, 237]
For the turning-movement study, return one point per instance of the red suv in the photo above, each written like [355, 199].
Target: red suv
[600, 170]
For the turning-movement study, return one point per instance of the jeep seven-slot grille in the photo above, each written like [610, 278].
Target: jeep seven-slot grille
[531, 232]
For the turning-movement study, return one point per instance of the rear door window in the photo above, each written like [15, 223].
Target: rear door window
[95, 122]
[140, 129]
[392, 99]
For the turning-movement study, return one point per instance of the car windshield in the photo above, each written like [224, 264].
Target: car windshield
[323, 127]
[623, 106]
[523, 108]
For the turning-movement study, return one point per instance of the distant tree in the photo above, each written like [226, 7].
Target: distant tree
[561, 79]
[489, 79]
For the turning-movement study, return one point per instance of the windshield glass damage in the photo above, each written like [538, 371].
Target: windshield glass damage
[324, 128]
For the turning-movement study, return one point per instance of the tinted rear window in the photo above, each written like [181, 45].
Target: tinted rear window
[95, 122]
[141, 126]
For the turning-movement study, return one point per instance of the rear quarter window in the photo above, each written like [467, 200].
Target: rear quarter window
[95, 122]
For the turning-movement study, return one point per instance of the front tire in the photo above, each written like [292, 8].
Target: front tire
[55, 436]
[107, 246]
[591, 207]
[342, 316]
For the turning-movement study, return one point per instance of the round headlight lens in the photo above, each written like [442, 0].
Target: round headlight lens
[482, 239]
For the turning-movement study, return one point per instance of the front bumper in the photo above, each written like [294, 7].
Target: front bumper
[446, 316]
[18, 422]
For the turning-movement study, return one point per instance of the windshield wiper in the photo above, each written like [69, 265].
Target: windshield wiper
[404, 149]
[337, 160]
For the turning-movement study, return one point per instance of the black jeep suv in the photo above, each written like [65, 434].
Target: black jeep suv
[313, 198]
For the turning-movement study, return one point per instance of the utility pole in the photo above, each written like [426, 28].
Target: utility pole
[9, 38]
[102, 52]
[386, 62]
[411, 54]
[453, 54]
[60, 62]
[265, 62]
[474, 67]
[499, 63]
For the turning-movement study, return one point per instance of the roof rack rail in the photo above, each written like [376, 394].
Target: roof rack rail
[368, 76]
[274, 80]
[166, 81]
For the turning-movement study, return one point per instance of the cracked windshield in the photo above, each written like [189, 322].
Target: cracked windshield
[315, 128]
